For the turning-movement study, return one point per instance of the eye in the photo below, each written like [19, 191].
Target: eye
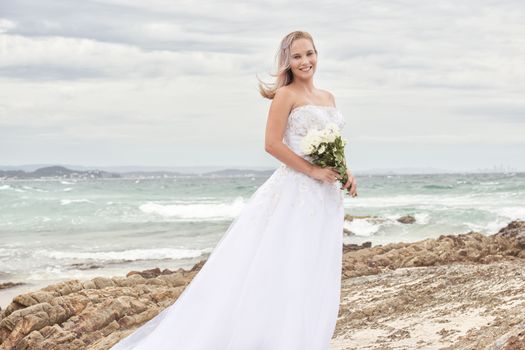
[310, 53]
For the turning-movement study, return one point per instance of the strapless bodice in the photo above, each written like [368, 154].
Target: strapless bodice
[306, 117]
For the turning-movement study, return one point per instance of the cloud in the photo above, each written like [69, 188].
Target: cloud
[160, 75]
[6, 25]
[74, 58]
[510, 112]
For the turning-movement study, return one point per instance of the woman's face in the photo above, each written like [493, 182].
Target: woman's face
[303, 59]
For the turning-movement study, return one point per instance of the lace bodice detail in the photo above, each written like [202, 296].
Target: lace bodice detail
[304, 118]
[300, 121]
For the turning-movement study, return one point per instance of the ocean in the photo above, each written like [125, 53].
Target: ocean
[53, 230]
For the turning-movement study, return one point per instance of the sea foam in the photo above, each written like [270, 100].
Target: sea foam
[196, 211]
[130, 254]
[362, 227]
[70, 201]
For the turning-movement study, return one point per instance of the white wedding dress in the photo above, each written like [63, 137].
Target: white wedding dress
[273, 280]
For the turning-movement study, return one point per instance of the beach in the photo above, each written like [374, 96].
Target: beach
[457, 306]
[464, 291]
[138, 136]
[429, 261]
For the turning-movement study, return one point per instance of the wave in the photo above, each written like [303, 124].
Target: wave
[196, 210]
[413, 201]
[489, 227]
[438, 187]
[422, 218]
[70, 201]
[127, 255]
[9, 187]
[370, 226]
[513, 213]
[362, 227]
[33, 189]
[432, 202]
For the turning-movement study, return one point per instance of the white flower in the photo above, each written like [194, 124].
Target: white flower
[315, 137]
[325, 135]
[333, 128]
[321, 149]
[310, 141]
[316, 140]
[331, 136]
[330, 132]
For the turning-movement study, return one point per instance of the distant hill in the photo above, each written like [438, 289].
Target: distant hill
[56, 172]
[145, 171]
[135, 171]
[217, 173]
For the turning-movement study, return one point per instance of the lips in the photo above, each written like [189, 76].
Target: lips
[306, 69]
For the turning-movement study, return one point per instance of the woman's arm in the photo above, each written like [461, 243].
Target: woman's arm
[275, 127]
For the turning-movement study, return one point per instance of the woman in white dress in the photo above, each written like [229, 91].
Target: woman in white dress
[273, 280]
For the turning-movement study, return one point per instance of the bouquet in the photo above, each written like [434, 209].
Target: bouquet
[326, 148]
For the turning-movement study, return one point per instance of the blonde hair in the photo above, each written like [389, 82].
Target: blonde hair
[284, 72]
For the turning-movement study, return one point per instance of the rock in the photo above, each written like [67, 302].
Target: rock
[146, 273]
[454, 306]
[86, 266]
[515, 342]
[7, 285]
[514, 230]
[407, 219]
[349, 217]
[98, 312]
[352, 246]
[347, 232]
[470, 247]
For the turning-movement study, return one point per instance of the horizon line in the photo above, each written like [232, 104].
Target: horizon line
[172, 168]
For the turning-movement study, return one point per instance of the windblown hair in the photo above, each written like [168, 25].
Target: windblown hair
[284, 75]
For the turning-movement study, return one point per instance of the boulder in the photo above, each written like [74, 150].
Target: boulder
[407, 219]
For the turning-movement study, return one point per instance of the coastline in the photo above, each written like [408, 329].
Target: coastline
[464, 291]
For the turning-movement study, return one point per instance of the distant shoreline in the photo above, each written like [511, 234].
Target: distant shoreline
[80, 172]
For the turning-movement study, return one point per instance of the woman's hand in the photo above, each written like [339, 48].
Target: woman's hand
[327, 174]
[351, 184]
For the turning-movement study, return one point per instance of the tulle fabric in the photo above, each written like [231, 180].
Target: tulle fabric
[271, 283]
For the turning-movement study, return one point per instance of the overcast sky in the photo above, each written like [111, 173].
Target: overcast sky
[173, 83]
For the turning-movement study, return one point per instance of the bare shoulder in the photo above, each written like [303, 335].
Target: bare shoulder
[284, 92]
[328, 96]
[283, 101]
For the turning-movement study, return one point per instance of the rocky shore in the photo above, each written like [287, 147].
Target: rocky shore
[463, 291]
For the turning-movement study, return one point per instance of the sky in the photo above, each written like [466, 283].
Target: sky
[421, 84]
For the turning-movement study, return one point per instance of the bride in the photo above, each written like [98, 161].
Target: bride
[273, 280]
